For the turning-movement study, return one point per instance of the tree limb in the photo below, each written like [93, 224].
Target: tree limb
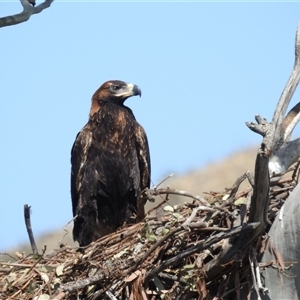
[287, 155]
[290, 122]
[24, 16]
[287, 94]
[273, 139]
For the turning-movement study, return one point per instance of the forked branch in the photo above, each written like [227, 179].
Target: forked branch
[274, 137]
[28, 11]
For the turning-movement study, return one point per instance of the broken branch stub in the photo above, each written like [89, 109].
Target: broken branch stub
[29, 229]
[273, 139]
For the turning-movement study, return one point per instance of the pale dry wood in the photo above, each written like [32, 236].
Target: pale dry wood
[272, 141]
[287, 94]
[201, 246]
[169, 191]
[287, 155]
[290, 121]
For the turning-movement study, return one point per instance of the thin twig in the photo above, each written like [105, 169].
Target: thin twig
[66, 230]
[254, 277]
[178, 192]
[158, 243]
[200, 247]
[172, 277]
[234, 289]
[165, 179]
[191, 217]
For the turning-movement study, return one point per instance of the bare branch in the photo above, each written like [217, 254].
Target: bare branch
[273, 139]
[262, 126]
[191, 217]
[275, 146]
[29, 230]
[281, 152]
[201, 246]
[279, 130]
[290, 121]
[168, 191]
[158, 243]
[287, 155]
[271, 143]
[24, 16]
[287, 93]
[169, 176]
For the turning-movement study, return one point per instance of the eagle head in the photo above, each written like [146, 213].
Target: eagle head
[114, 91]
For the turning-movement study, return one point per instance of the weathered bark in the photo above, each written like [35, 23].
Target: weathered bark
[274, 137]
[28, 11]
[284, 241]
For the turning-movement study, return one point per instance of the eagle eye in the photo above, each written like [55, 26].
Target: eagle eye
[115, 88]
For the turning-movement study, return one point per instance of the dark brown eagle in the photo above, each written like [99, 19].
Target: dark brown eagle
[110, 165]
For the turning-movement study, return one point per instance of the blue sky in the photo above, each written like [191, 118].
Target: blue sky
[204, 70]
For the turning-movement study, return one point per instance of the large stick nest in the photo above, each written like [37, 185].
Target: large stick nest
[171, 255]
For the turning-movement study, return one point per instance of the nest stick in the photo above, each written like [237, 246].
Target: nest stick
[29, 229]
[200, 247]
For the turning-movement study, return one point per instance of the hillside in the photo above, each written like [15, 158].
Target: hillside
[217, 175]
[214, 177]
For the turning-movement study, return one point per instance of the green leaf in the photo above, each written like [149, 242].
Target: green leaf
[240, 201]
[151, 238]
[188, 267]
[165, 231]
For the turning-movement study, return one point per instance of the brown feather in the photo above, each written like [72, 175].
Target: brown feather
[110, 165]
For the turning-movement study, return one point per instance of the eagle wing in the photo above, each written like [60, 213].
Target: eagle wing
[79, 155]
[107, 178]
[143, 157]
[143, 154]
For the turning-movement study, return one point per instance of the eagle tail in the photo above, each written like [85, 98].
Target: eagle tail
[86, 225]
